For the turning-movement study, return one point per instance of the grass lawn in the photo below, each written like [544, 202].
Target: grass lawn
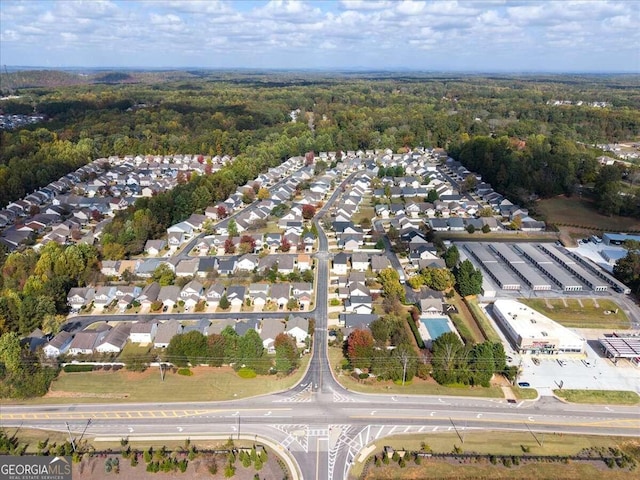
[580, 211]
[415, 387]
[525, 393]
[609, 397]
[206, 384]
[464, 321]
[498, 443]
[585, 316]
[482, 320]
[134, 349]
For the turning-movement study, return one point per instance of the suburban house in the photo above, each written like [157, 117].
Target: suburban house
[298, 328]
[58, 345]
[235, 295]
[143, 332]
[115, 339]
[340, 264]
[104, 296]
[149, 295]
[79, 297]
[214, 293]
[270, 329]
[360, 262]
[166, 331]
[86, 341]
[280, 294]
[154, 247]
[169, 295]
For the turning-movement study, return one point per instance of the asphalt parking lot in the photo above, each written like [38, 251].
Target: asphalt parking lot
[599, 374]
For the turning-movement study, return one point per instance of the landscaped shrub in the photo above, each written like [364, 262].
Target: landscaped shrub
[246, 373]
[72, 368]
[185, 371]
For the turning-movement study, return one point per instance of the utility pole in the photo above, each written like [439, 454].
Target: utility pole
[238, 426]
[85, 429]
[454, 427]
[73, 443]
[405, 360]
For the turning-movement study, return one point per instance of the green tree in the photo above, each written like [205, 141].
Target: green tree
[447, 351]
[468, 279]
[10, 352]
[263, 193]
[224, 302]
[232, 228]
[216, 350]
[452, 256]
[360, 348]
[187, 348]
[627, 269]
[287, 358]
[391, 285]
[164, 275]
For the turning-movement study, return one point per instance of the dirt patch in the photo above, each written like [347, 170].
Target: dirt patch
[51, 394]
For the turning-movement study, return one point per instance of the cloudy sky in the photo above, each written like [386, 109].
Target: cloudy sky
[479, 35]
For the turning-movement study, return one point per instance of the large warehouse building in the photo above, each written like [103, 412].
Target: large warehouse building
[531, 332]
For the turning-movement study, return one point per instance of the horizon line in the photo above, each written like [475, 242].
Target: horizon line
[16, 68]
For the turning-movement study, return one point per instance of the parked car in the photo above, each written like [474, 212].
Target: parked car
[524, 384]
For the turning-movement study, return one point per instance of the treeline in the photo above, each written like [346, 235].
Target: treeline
[21, 373]
[543, 167]
[546, 166]
[34, 285]
[452, 362]
[230, 114]
[228, 348]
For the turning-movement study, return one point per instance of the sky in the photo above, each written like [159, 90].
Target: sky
[436, 35]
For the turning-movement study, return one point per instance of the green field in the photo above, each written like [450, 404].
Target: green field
[581, 211]
[498, 443]
[207, 384]
[416, 387]
[483, 322]
[571, 314]
[608, 397]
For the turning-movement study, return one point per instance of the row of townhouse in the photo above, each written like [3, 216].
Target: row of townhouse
[190, 295]
[204, 266]
[66, 206]
[499, 204]
[105, 339]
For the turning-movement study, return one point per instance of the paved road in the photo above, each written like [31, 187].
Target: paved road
[319, 423]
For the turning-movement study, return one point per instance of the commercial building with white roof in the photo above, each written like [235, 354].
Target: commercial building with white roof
[531, 332]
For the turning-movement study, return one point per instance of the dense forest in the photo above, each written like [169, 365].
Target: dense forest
[227, 113]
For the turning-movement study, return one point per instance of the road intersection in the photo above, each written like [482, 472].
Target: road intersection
[319, 423]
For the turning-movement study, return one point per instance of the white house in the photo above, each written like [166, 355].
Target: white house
[143, 332]
[298, 328]
[58, 345]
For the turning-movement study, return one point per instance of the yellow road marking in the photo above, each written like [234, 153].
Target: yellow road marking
[107, 414]
[618, 423]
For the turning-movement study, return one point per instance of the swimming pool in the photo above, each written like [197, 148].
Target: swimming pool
[436, 326]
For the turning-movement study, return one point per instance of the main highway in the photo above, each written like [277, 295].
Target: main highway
[320, 427]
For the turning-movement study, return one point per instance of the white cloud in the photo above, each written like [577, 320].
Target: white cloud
[366, 4]
[309, 33]
[410, 7]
